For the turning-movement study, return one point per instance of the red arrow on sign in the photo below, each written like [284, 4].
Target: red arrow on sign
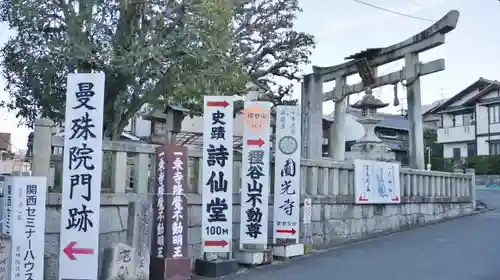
[396, 198]
[291, 231]
[216, 243]
[218, 104]
[362, 198]
[255, 142]
[71, 251]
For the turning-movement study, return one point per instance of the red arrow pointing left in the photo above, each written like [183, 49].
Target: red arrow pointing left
[71, 251]
[255, 142]
[218, 103]
[291, 231]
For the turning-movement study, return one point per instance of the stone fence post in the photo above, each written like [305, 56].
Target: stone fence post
[472, 171]
[456, 189]
[42, 148]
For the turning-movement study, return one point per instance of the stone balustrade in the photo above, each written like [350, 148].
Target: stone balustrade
[318, 177]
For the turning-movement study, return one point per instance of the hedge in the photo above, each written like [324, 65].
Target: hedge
[484, 165]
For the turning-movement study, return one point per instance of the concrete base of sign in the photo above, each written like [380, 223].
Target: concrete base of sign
[308, 248]
[288, 251]
[254, 256]
[215, 268]
[178, 268]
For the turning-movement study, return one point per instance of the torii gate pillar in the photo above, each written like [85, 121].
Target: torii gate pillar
[414, 99]
[336, 139]
[312, 117]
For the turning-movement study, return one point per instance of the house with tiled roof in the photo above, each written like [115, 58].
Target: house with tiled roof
[392, 130]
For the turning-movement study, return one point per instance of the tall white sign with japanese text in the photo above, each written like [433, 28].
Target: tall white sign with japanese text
[376, 182]
[287, 173]
[255, 173]
[217, 194]
[28, 227]
[82, 169]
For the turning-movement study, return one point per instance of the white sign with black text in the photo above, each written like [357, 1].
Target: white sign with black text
[82, 169]
[255, 173]
[28, 227]
[287, 173]
[376, 182]
[217, 194]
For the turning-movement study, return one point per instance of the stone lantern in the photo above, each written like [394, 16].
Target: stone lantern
[175, 114]
[370, 146]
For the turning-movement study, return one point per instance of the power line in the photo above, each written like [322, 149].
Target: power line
[413, 2]
[391, 11]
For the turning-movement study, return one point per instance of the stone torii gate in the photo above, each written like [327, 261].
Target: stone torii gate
[365, 63]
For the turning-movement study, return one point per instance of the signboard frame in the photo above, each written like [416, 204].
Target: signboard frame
[376, 182]
[169, 235]
[286, 207]
[217, 196]
[28, 227]
[82, 176]
[255, 173]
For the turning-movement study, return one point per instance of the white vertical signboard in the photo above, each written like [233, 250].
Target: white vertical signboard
[28, 227]
[82, 169]
[287, 173]
[217, 184]
[376, 182]
[255, 173]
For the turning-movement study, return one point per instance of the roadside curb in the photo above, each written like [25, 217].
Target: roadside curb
[282, 264]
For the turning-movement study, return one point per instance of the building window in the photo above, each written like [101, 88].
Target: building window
[457, 153]
[495, 148]
[471, 149]
[468, 119]
[494, 114]
[459, 120]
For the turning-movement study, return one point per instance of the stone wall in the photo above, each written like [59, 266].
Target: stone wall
[335, 219]
[337, 223]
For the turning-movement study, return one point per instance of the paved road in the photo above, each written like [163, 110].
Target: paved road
[462, 249]
[489, 196]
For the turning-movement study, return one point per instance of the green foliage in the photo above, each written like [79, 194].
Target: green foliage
[484, 165]
[271, 50]
[430, 140]
[152, 52]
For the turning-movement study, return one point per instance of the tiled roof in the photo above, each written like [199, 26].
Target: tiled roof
[389, 120]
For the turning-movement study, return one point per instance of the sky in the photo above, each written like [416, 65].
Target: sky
[344, 27]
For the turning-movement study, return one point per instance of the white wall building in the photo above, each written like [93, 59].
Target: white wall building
[470, 121]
